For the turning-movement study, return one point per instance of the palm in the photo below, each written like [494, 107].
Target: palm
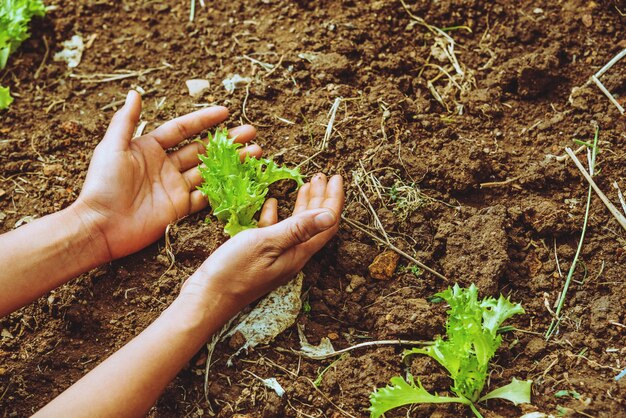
[135, 189]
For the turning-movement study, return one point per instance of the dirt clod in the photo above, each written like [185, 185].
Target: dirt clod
[384, 265]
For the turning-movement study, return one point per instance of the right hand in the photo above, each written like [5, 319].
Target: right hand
[135, 187]
[256, 261]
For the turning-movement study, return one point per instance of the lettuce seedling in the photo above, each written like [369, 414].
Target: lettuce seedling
[472, 339]
[236, 190]
[15, 15]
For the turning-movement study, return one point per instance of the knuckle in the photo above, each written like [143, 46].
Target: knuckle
[298, 232]
[182, 130]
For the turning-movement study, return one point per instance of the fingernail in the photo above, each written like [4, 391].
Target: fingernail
[128, 98]
[325, 220]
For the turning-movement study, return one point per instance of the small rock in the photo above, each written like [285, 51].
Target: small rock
[52, 169]
[587, 20]
[72, 51]
[333, 336]
[231, 83]
[384, 265]
[3, 371]
[197, 87]
[237, 341]
[355, 282]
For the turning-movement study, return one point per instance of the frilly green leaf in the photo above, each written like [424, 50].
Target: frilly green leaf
[518, 391]
[236, 190]
[400, 392]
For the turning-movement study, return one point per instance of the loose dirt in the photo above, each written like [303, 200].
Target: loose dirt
[522, 98]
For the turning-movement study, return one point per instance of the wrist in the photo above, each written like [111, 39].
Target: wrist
[92, 228]
[204, 305]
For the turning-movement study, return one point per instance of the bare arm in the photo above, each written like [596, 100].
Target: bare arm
[133, 190]
[255, 261]
[44, 254]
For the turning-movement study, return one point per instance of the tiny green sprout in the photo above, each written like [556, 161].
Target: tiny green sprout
[570, 393]
[306, 307]
[415, 270]
[318, 381]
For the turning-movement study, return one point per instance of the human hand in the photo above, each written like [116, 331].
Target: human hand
[134, 188]
[255, 261]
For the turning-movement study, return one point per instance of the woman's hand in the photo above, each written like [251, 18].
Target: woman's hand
[255, 261]
[134, 189]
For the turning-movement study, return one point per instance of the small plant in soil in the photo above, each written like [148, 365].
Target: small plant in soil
[15, 15]
[236, 190]
[472, 338]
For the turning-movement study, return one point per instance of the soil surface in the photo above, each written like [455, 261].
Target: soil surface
[461, 163]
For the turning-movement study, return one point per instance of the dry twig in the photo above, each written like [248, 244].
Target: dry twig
[616, 213]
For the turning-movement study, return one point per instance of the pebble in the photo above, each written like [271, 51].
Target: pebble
[384, 265]
[52, 169]
[355, 282]
[197, 87]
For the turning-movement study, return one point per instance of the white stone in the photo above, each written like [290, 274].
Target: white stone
[197, 87]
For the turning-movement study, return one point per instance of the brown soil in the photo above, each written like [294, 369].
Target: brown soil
[521, 62]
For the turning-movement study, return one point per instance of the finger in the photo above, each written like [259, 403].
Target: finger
[302, 201]
[253, 150]
[187, 156]
[269, 213]
[122, 126]
[197, 201]
[334, 198]
[318, 191]
[298, 229]
[334, 202]
[243, 134]
[192, 178]
[176, 130]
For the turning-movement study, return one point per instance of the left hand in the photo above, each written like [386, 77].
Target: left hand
[134, 189]
[257, 260]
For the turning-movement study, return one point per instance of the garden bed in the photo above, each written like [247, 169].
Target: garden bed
[494, 208]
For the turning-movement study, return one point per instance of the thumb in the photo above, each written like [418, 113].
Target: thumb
[300, 228]
[124, 121]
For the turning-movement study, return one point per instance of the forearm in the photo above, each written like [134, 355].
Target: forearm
[44, 254]
[133, 378]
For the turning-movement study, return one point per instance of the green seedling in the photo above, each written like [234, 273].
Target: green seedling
[415, 270]
[472, 339]
[15, 15]
[318, 381]
[236, 190]
[564, 393]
